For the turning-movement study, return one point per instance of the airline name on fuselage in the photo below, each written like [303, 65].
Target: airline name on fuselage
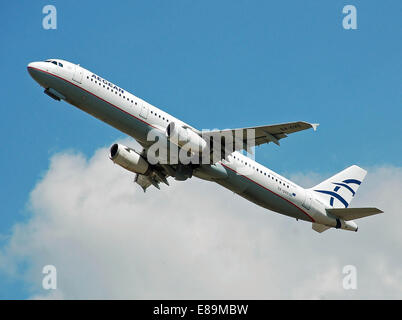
[113, 86]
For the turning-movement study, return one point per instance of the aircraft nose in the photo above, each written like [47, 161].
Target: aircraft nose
[32, 65]
[33, 68]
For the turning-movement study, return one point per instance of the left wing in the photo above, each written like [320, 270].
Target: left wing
[153, 178]
[158, 173]
[241, 141]
[143, 181]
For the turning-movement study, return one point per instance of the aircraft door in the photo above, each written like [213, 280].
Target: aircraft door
[77, 77]
[307, 200]
[143, 110]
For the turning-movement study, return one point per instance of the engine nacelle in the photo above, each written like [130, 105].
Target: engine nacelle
[128, 159]
[183, 172]
[185, 138]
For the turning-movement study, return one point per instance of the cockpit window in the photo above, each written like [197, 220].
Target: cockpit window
[55, 62]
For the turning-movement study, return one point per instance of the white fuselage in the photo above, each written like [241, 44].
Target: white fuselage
[135, 117]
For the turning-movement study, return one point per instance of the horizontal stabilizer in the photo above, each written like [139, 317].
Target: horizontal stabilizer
[319, 227]
[353, 213]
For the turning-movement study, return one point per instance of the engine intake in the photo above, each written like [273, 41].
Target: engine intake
[185, 138]
[128, 159]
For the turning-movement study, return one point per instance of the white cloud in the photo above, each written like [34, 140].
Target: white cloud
[194, 239]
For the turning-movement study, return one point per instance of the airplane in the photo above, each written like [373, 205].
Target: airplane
[325, 205]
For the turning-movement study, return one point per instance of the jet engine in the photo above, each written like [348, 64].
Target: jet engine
[128, 159]
[185, 138]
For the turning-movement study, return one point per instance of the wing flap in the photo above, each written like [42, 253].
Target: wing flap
[353, 213]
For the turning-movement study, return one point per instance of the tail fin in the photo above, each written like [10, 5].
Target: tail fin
[339, 190]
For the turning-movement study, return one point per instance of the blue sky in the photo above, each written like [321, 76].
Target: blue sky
[213, 64]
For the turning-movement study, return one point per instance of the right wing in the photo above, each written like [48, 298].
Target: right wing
[264, 134]
[259, 135]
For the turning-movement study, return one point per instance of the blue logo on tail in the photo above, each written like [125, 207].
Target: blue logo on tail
[338, 185]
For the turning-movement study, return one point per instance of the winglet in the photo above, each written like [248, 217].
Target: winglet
[314, 126]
